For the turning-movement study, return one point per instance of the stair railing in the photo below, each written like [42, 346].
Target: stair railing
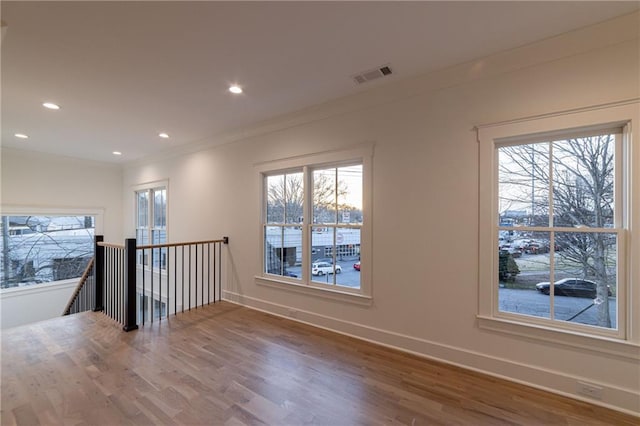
[82, 298]
[139, 284]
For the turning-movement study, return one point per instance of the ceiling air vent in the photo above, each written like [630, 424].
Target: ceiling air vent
[366, 76]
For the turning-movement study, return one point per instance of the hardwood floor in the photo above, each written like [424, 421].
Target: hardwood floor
[228, 365]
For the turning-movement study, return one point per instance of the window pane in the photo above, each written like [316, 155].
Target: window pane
[583, 175]
[523, 185]
[273, 236]
[160, 208]
[143, 208]
[348, 257]
[523, 262]
[350, 194]
[323, 244]
[39, 249]
[294, 196]
[292, 253]
[142, 239]
[283, 251]
[159, 236]
[334, 254]
[275, 199]
[585, 278]
[159, 254]
[324, 196]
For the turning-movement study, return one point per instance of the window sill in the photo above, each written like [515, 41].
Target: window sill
[326, 293]
[38, 288]
[592, 343]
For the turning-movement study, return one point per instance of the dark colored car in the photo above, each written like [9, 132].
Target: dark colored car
[284, 273]
[574, 287]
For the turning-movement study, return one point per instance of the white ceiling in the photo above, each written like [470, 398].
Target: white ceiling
[125, 71]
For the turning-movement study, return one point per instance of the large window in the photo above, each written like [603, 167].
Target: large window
[556, 216]
[558, 239]
[151, 223]
[313, 224]
[43, 248]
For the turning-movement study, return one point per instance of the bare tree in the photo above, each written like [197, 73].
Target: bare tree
[285, 197]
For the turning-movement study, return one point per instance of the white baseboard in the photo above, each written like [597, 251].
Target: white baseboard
[616, 398]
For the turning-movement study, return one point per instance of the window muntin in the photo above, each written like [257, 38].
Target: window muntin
[151, 224]
[323, 234]
[42, 248]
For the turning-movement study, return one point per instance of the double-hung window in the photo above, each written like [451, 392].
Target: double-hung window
[151, 223]
[314, 222]
[556, 215]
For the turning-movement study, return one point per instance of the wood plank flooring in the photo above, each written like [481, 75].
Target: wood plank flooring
[228, 365]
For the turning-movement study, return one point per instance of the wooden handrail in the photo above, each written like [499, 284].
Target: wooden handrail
[151, 246]
[118, 246]
[83, 280]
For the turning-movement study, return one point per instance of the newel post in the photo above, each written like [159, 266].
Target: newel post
[130, 299]
[98, 271]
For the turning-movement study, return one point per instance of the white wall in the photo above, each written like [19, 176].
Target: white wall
[25, 305]
[39, 183]
[425, 297]
[44, 181]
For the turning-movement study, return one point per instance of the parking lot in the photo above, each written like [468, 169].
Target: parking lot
[349, 277]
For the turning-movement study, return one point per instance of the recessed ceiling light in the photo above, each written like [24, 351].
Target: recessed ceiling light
[117, 153]
[164, 135]
[235, 89]
[21, 136]
[50, 105]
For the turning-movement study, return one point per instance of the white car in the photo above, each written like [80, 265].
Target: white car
[321, 268]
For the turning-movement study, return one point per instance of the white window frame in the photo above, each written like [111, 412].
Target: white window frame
[626, 339]
[307, 163]
[151, 186]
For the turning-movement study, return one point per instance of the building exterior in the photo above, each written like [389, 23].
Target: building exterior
[347, 244]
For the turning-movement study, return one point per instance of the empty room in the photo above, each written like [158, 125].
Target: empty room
[331, 213]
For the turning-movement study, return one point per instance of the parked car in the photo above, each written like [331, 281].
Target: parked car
[321, 268]
[513, 251]
[285, 273]
[537, 248]
[356, 266]
[574, 287]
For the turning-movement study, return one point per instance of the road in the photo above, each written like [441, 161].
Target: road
[532, 302]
